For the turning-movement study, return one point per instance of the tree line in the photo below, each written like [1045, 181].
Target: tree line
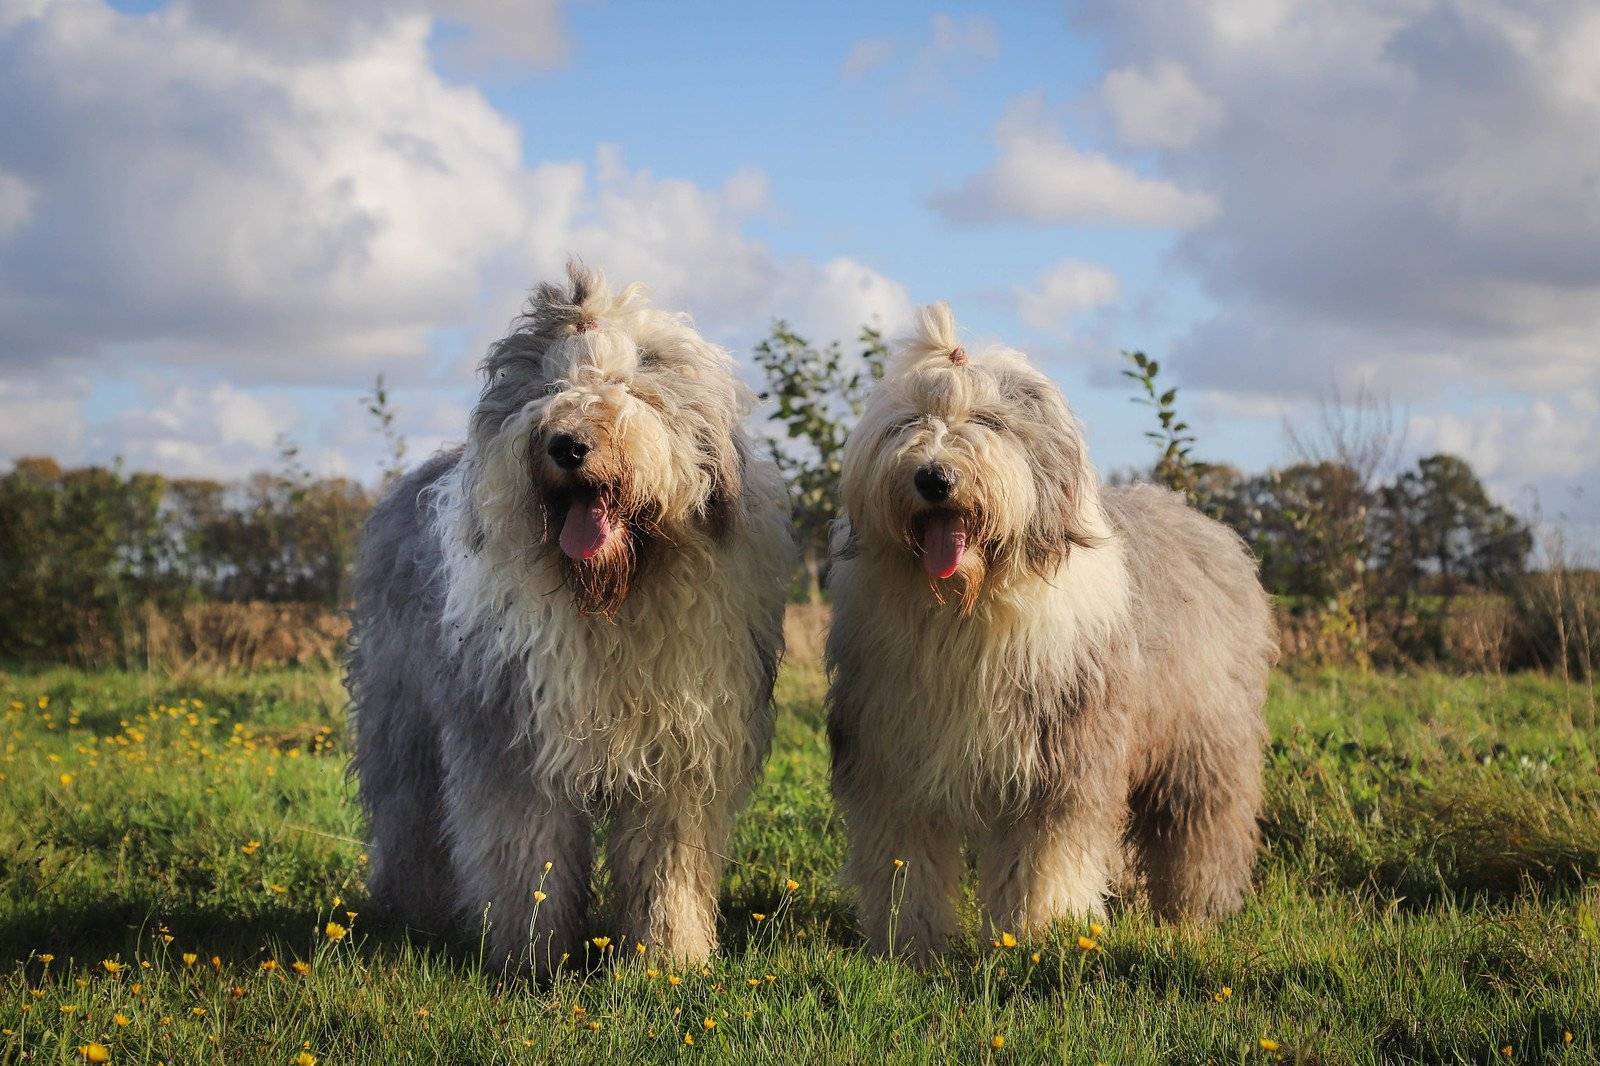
[1363, 550]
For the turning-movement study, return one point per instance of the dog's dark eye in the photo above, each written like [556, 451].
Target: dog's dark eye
[987, 421]
[649, 359]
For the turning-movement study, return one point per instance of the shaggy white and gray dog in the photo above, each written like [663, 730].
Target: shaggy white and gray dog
[1060, 671]
[580, 612]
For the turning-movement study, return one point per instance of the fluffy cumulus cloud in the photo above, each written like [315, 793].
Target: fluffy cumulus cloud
[221, 203]
[952, 46]
[1404, 190]
[1039, 177]
[1065, 291]
[1158, 107]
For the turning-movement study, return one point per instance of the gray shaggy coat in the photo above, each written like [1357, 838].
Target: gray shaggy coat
[1067, 675]
[578, 613]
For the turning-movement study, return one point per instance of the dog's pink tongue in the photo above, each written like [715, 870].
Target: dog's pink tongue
[586, 529]
[943, 542]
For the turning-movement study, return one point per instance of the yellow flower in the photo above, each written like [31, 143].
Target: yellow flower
[1034, 958]
[135, 988]
[594, 1026]
[758, 917]
[300, 966]
[1268, 1044]
[579, 1009]
[198, 1012]
[547, 866]
[112, 966]
[423, 1012]
[68, 1008]
[94, 1052]
[167, 938]
[1566, 1036]
[189, 958]
[539, 897]
[688, 1038]
[47, 958]
[1506, 1051]
[305, 1058]
[65, 779]
[335, 931]
[771, 977]
[269, 965]
[252, 847]
[652, 973]
[708, 1024]
[601, 942]
[997, 1041]
[1085, 944]
[674, 980]
[216, 963]
[753, 981]
[899, 863]
[1008, 941]
[1095, 928]
[638, 948]
[121, 1019]
[791, 884]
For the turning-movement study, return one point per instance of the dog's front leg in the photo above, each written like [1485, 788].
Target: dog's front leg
[1040, 866]
[523, 856]
[905, 866]
[666, 858]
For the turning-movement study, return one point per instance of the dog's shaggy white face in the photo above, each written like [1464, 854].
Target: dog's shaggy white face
[968, 467]
[606, 432]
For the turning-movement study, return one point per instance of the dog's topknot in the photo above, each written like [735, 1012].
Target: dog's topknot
[557, 310]
[935, 335]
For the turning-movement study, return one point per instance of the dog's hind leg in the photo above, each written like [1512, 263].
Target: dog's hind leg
[1195, 833]
[666, 855]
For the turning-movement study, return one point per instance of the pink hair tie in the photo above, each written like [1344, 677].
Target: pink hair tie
[958, 356]
[587, 326]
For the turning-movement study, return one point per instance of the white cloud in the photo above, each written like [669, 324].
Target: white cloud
[228, 213]
[41, 416]
[17, 198]
[524, 32]
[301, 219]
[1158, 107]
[1406, 189]
[834, 301]
[1064, 291]
[865, 56]
[954, 46]
[189, 431]
[1041, 178]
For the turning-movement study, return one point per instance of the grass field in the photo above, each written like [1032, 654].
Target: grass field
[172, 851]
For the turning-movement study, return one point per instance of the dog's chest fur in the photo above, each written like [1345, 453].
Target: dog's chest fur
[960, 705]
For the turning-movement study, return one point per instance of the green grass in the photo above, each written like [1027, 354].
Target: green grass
[1428, 893]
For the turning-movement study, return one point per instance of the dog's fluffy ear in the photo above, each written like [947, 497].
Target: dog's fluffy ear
[1064, 483]
[727, 483]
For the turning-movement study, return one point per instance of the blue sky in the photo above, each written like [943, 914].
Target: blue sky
[218, 221]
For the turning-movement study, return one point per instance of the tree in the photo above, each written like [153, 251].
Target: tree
[394, 442]
[818, 394]
[1176, 467]
[1439, 520]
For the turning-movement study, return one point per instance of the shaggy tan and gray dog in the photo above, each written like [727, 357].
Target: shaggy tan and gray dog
[579, 612]
[1058, 670]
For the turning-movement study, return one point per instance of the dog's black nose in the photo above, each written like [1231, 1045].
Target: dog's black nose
[934, 483]
[567, 451]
